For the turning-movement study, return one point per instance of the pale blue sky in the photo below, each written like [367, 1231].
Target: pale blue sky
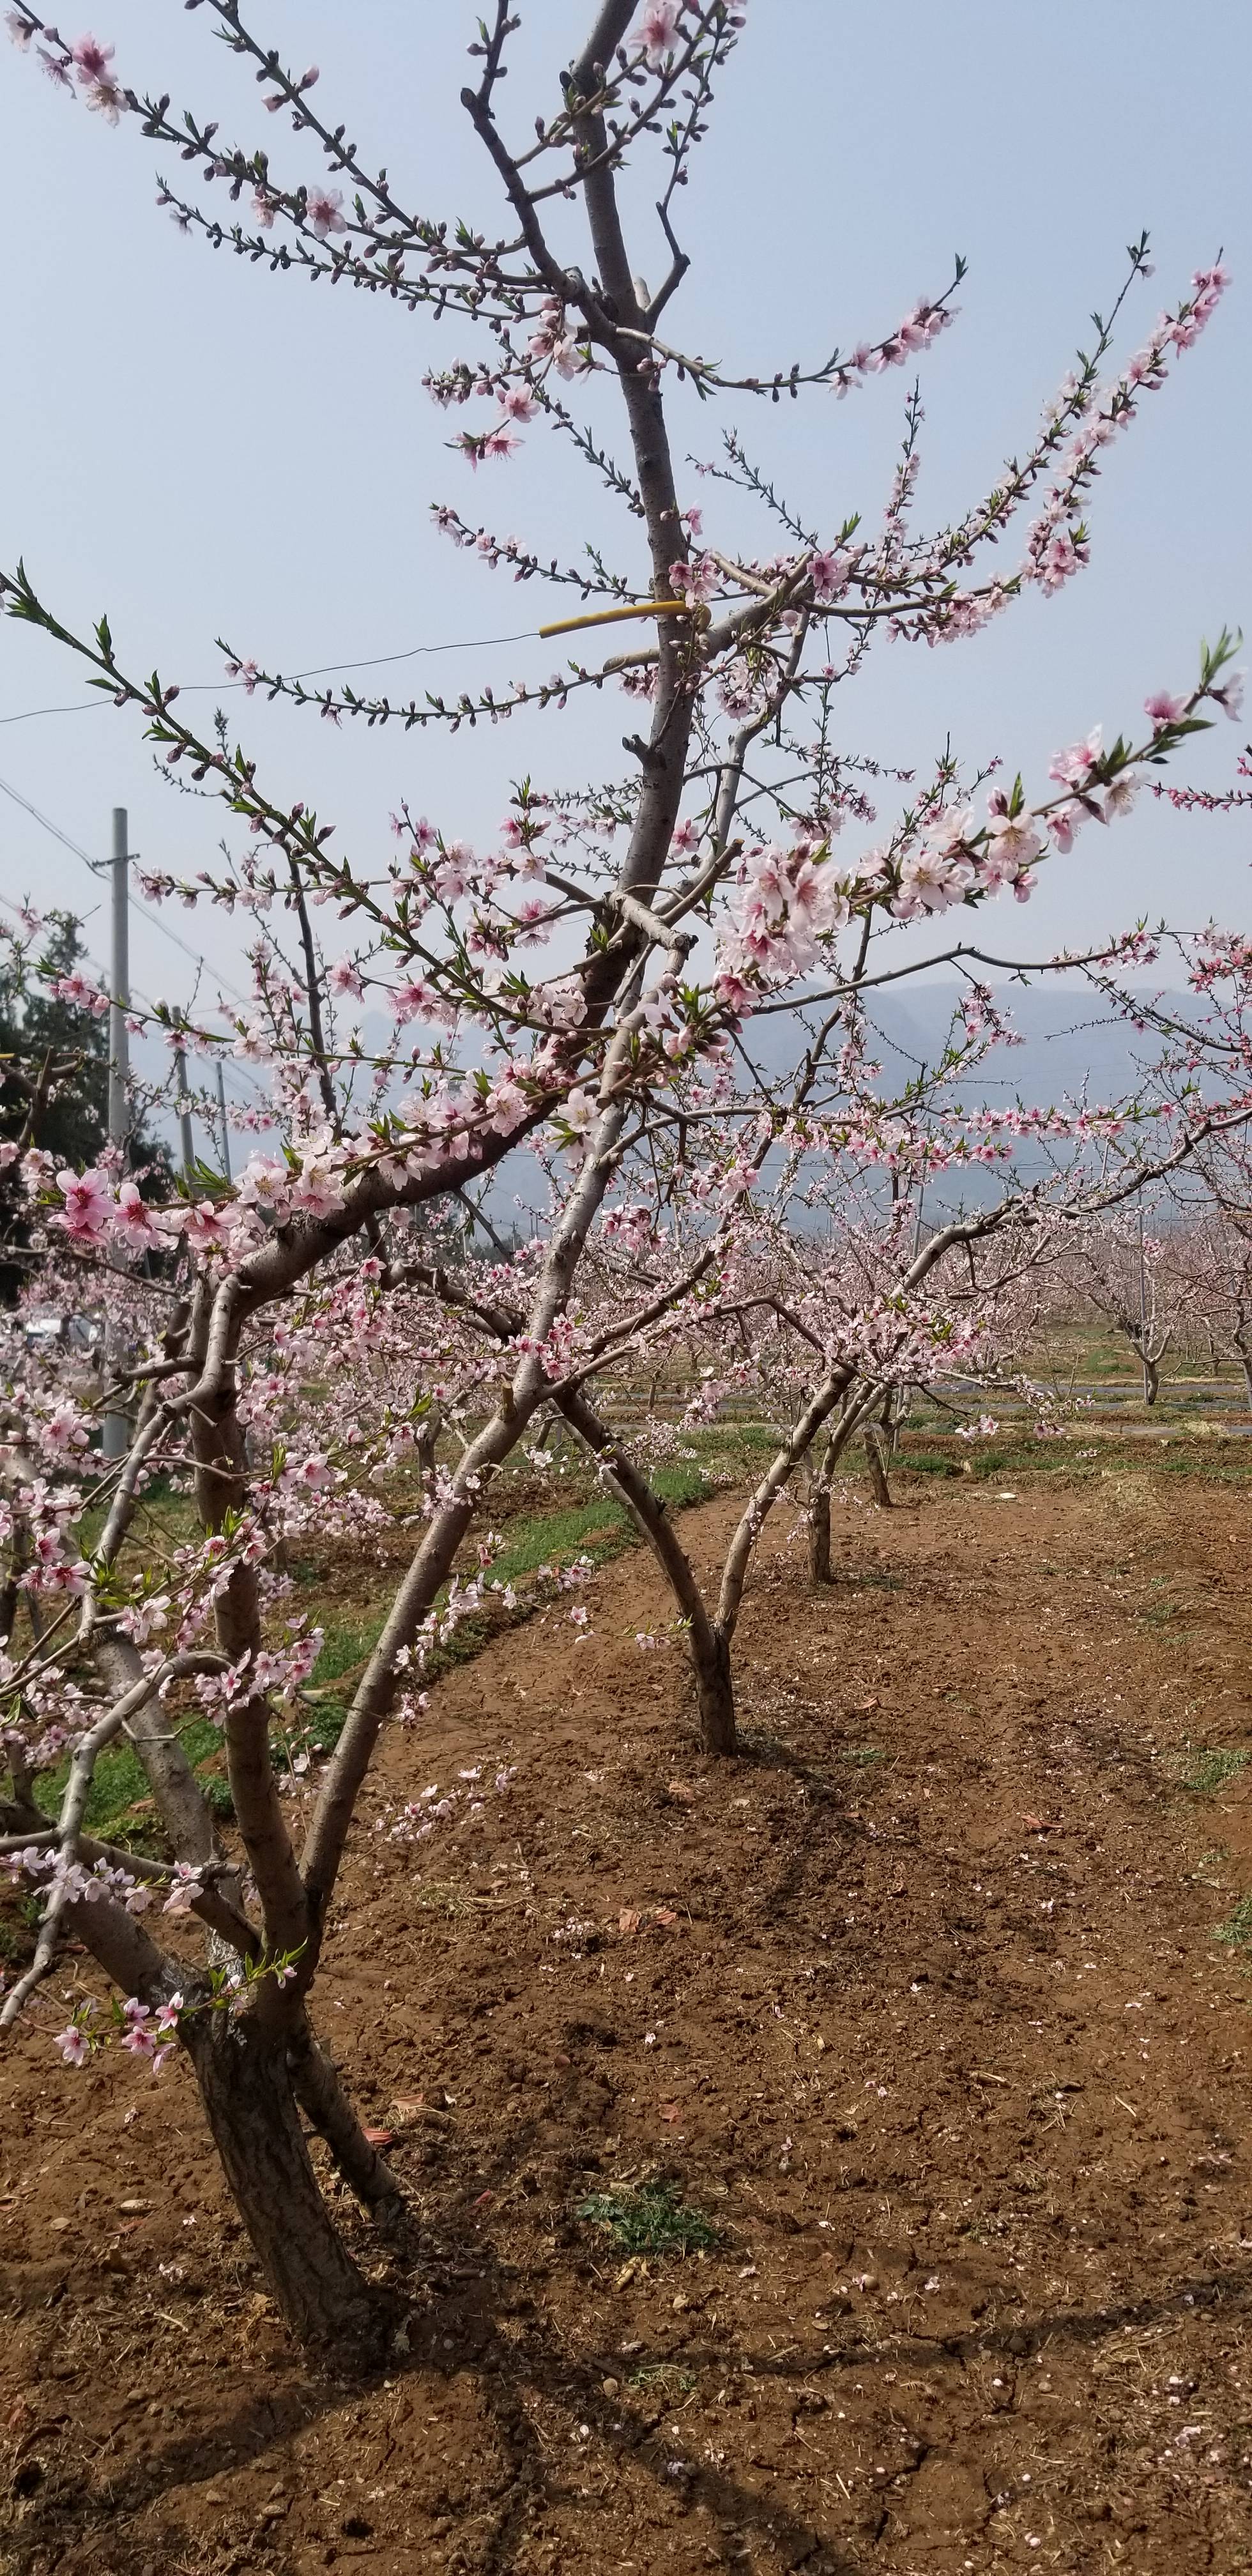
[201, 448]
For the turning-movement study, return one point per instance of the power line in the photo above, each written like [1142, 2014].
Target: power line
[320, 671]
[98, 868]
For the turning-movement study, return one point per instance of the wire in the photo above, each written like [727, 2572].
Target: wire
[100, 867]
[320, 671]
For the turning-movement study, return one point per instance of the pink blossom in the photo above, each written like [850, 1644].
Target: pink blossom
[454, 872]
[19, 28]
[1063, 824]
[187, 1887]
[696, 580]
[74, 2045]
[91, 59]
[316, 1473]
[88, 1200]
[207, 1229]
[105, 99]
[319, 1190]
[132, 1220]
[322, 213]
[518, 403]
[80, 994]
[1229, 697]
[580, 1110]
[930, 881]
[264, 1182]
[1012, 842]
[830, 576]
[1164, 710]
[64, 1432]
[1073, 768]
[656, 30]
[1120, 796]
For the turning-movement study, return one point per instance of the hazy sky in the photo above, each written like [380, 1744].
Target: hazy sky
[204, 449]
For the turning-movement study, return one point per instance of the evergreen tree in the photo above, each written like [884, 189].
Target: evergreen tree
[54, 1072]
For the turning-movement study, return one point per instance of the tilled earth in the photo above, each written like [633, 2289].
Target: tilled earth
[919, 2004]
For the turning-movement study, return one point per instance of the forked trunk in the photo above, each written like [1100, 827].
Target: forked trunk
[715, 1692]
[875, 1449]
[819, 1534]
[247, 2092]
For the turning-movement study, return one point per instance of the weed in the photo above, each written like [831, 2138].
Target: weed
[1211, 1766]
[441, 1896]
[1236, 1931]
[665, 2377]
[863, 1755]
[650, 2220]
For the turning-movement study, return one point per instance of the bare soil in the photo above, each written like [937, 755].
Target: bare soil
[920, 2005]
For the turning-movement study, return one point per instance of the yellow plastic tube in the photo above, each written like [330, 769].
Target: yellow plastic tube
[609, 616]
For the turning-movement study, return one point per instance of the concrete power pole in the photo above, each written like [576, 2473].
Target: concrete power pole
[221, 1111]
[183, 1104]
[116, 1427]
[119, 1043]
[1143, 1310]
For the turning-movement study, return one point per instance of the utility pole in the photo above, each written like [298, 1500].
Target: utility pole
[221, 1111]
[1143, 1309]
[116, 1427]
[119, 1044]
[183, 1104]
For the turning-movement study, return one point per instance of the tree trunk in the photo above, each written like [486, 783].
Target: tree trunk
[321, 2096]
[819, 1534]
[1151, 1379]
[246, 2088]
[1247, 1381]
[877, 1466]
[715, 1692]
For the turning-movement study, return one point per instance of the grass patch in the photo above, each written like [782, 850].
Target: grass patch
[553, 1537]
[651, 2220]
[1236, 1931]
[665, 2378]
[863, 1756]
[439, 1896]
[1160, 1613]
[120, 1782]
[1210, 1766]
[599, 1528]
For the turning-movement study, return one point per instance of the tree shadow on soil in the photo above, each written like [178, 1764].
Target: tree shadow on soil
[462, 2328]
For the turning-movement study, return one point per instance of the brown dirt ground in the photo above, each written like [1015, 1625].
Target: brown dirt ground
[967, 2099]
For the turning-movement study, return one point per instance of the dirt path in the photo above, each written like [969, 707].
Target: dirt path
[967, 2099]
